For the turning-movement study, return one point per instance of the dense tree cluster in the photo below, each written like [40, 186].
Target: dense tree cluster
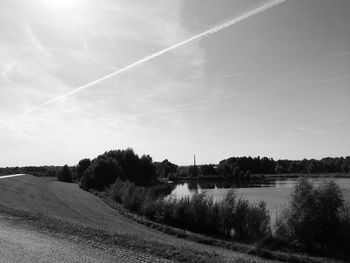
[207, 170]
[240, 167]
[192, 171]
[64, 174]
[244, 167]
[124, 164]
[325, 165]
[165, 169]
[82, 166]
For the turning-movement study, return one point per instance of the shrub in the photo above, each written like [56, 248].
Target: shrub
[101, 174]
[233, 217]
[64, 174]
[317, 219]
[244, 220]
[82, 166]
[258, 222]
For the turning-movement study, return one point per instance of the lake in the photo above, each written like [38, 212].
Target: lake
[275, 192]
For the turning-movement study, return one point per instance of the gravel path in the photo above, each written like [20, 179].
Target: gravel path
[18, 244]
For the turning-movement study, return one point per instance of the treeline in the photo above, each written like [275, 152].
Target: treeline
[40, 171]
[130, 165]
[244, 167]
[237, 167]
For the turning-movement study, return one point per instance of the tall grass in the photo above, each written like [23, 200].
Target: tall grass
[234, 217]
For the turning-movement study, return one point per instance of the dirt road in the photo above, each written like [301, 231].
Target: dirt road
[20, 244]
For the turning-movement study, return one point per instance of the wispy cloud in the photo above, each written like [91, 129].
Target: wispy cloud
[7, 70]
[339, 54]
[335, 119]
[206, 33]
[321, 81]
[35, 40]
[306, 130]
[177, 106]
[229, 75]
[312, 130]
[15, 130]
[103, 102]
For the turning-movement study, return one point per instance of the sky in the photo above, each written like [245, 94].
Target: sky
[275, 84]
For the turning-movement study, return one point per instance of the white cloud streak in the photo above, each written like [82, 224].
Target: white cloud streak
[35, 41]
[206, 33]
[6, 72]
[15, 130]
[340, 54]
[323, 81]
[179, 106]
[230, 75]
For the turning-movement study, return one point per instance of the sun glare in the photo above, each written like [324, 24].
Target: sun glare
[63, 4]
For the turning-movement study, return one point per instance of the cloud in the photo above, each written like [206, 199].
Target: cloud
[35, 41]
[178, 106]
[229, 75]
[15, 130]
[321, 81]
[339, 54]
[7, 70]
[38, 76]
[139, 62]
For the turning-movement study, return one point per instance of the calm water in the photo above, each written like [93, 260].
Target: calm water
[275, 192]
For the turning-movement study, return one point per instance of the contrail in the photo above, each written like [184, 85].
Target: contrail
[206, 33]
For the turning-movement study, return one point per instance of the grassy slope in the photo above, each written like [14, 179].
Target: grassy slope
[68, 202]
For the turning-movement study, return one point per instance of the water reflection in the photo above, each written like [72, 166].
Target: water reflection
[189, 188]
[274, 192]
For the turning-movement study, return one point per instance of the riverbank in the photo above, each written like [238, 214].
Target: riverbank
[251, 249]
[257, 177]
[274, 191]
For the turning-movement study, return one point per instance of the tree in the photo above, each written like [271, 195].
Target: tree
[314, 219]
[165, 168]
[64, 174]
[148, 170]
[101, 173]
[193, 171]
[207, 169]
[82, 166]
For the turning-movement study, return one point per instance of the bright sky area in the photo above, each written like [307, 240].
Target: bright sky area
[276, 84]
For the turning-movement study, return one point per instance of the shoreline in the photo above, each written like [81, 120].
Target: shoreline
[256, 177]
